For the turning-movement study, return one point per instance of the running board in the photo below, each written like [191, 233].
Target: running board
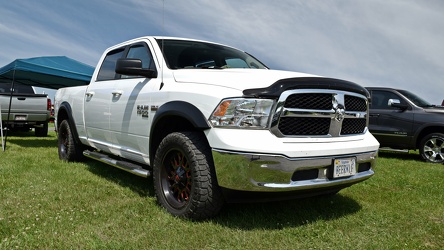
[394, 150]
[124, 165]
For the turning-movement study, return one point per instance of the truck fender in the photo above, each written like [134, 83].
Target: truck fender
[65, 107]
[181, 109]
[433, 127]
[184, 110]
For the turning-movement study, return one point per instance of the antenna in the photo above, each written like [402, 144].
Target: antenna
[163, 53]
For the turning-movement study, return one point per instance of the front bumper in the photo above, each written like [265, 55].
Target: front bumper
[278, 173]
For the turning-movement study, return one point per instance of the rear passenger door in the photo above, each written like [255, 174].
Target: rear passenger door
[97, 101]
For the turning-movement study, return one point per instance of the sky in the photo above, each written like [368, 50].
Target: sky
[390, 43]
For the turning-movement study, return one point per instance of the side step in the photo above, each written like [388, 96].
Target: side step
[394, 150]
[124, 165]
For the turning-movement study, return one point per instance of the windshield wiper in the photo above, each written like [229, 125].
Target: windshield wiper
[211, 67]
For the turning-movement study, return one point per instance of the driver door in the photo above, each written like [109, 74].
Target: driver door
[131, 114]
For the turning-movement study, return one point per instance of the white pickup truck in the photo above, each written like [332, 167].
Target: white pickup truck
[212, 124]
[28, 109]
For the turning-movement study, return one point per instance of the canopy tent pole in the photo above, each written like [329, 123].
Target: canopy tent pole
[9, 110]
[1, 128]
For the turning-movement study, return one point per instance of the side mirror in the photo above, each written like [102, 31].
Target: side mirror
[396, 104]
[133, 67]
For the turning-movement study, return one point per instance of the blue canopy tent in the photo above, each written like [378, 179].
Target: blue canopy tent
[51, 72]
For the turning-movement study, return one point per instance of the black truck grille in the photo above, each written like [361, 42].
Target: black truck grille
[354, 103]
[309, 101]
[304, 125]
[305, 113]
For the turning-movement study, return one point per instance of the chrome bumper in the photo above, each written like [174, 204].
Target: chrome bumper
[277, 173]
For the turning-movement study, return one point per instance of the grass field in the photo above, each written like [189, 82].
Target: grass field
[49, 204]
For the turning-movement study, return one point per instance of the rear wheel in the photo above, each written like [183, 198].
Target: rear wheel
[184, 177]
[68, 149]
[432, 148]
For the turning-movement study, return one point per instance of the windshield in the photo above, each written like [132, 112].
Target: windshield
[418, 101]
[182, 54]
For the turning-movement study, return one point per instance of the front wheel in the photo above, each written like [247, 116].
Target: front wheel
[432, 148]
[184, 177]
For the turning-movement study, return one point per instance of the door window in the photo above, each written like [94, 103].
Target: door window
[142, 53]
[380, 99]
[107, 70]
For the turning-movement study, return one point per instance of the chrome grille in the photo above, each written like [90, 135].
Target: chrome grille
[321, 113]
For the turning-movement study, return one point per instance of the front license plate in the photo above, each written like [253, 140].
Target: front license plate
[344, 167]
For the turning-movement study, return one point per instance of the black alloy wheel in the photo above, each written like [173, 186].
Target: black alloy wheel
[184, 177]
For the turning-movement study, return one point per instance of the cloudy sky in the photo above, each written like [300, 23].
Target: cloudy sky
[394, 43]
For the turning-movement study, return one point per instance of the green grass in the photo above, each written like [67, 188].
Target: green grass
[49, 204]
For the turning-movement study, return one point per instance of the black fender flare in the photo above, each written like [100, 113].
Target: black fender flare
[180, 109]
[65, 106]
[184, 110]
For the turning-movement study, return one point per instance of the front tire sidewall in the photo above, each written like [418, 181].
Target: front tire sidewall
[205, 199]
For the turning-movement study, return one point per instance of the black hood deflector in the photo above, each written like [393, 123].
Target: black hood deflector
[276, 89]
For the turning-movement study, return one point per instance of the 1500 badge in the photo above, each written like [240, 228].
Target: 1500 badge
[143, 110]
[400, 133]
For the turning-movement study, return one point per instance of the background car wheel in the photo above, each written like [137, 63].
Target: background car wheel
[43, 131]
[184, 177]
[68, 149]
[432, 148]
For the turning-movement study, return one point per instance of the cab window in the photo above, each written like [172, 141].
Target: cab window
[380, 99]
[141, 52]
[107, 69]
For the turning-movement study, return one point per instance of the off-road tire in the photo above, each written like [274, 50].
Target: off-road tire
[68, 149]
[431, 148]
[184, 177]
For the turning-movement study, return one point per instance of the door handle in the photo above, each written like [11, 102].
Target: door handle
[117, 92]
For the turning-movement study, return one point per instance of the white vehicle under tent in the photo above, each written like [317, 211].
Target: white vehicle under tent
[52, 72]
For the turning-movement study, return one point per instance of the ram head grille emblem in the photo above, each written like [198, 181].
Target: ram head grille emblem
[338, 109]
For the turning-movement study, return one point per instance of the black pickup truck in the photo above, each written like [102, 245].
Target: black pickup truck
[400, 119]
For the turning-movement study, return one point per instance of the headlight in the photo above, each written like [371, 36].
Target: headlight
[242, 113]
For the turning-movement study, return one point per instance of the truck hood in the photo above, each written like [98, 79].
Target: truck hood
[240, 79]
[436, 109]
